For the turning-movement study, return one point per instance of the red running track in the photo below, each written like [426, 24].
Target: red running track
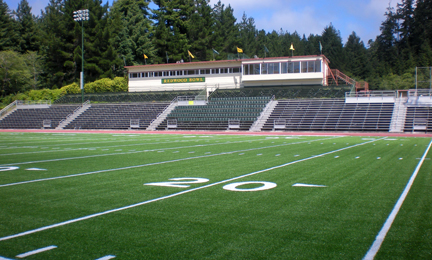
[215, 132]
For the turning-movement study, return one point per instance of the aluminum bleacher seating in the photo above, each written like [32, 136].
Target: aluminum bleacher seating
[118, 116]
[32, 118]
[418, 119]
[217, 114]
[330, 115]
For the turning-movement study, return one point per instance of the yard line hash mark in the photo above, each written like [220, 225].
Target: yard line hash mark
[174, 194]
[139, 166]
[125, 153]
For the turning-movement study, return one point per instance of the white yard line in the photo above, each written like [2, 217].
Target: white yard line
[108, 257]
[175, 194]
[37, 251]
[373, 250]
[124, 153]
[147, 164]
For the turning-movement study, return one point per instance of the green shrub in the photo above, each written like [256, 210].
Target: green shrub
[118, 84]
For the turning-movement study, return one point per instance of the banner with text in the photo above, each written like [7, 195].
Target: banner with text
[183, 80]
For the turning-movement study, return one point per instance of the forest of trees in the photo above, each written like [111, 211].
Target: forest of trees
[44, 51]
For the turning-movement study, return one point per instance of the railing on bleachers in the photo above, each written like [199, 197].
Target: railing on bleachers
[387, 96]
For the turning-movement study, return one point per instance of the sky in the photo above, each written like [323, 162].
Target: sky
[307, 17]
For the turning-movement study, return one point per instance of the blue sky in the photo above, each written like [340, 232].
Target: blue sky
[305, 16]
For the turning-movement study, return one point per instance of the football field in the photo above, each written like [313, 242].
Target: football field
[184, 196]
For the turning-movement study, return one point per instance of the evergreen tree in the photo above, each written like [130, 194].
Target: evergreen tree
[421, 40]
[356, 53]
[100, 56]
[248, 34]
[200, 30]
[58, 43]
[27, 28]
[226, 31]
[333, 48]
[134, 38]
[171, 41]
[8, 35]
[62, 40]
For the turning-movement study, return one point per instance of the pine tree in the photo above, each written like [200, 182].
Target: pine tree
[386, 41]
[248, 34]
[8, 26]
[226, 31]
[200, 30]
[58, 42]
[27, 28]
[134, 38]
[333, 48]
[171, 39]
[356, 53]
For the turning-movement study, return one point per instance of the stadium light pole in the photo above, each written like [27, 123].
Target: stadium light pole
[81, 16]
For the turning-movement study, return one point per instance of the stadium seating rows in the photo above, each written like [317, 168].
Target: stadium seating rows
[117, 116]
[33, 118]
[294, 114]
[217, 113]
[331, 115]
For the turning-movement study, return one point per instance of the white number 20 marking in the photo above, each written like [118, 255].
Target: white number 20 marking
[179, 182]
[266, 186]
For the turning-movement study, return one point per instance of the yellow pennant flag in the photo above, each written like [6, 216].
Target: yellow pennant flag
[190, 54]
[292, 47]
[145, 56]
[239, 50]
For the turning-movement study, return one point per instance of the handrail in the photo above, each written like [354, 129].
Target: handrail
[75, 110]
[33, 102]
[376, 93]
[343, 77]
[8, 108]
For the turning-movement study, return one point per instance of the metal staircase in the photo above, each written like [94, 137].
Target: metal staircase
[399, 114]
[161, 117]
[71, 117]
[259, 123]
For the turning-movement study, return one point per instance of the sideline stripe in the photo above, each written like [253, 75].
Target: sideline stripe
[37, 251]
[147, 164]
[388, 223]
[175, 194]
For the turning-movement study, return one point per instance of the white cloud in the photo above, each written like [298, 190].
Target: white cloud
[304, 21]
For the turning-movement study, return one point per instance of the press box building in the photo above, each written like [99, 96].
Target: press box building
[230, 74]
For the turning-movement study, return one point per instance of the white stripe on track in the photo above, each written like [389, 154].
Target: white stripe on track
[373, 250]
[148, 164]
[175, 194]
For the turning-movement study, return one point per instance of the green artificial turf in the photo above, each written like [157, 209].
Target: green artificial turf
[79, 175]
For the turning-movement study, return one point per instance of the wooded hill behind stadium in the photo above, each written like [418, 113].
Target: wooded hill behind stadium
[44, 51]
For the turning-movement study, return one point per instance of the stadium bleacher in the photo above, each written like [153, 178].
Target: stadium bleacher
[32, 118]
[309, 108]
[217, 114]
[330, 115]
[418, 119]
[118, 116]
